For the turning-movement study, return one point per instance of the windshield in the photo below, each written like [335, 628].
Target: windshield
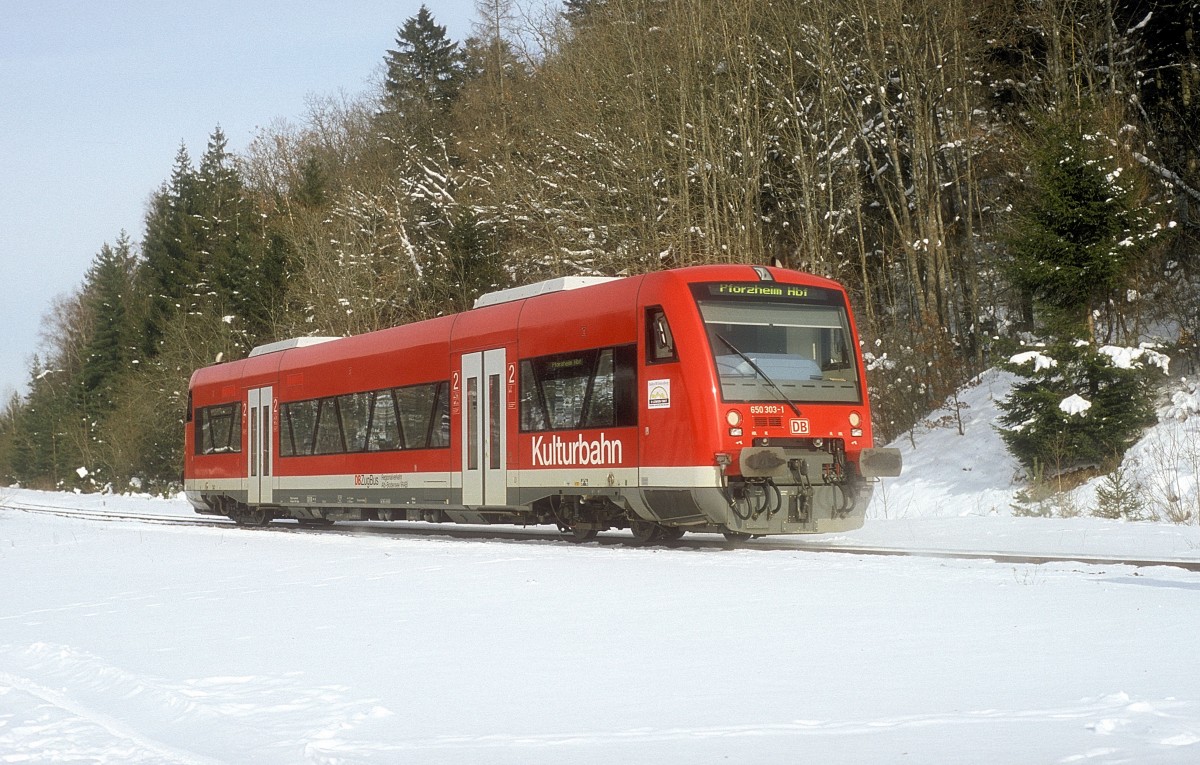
[801, 342]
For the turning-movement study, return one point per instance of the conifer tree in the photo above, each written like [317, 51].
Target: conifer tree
[473, 266]
[108, 293]
[228, 252]
[206, 250]
[1049, 436]
[1076, 235]
[1074, 241]
[424, 75]
[168, 272]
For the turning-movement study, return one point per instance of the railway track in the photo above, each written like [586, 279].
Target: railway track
[530, 535]
[113, 516]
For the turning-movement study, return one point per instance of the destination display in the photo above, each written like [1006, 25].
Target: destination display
[767, 292]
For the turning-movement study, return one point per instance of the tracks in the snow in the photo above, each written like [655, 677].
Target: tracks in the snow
[529, 535]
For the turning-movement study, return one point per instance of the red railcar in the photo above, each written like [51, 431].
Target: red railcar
[713, 398]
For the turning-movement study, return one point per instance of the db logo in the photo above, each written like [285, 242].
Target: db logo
[799, 427]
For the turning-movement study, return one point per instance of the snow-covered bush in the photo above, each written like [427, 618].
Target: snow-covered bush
[1169, 458]
[1079, 406]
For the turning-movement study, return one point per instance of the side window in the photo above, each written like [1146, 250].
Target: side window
[356, 419]
[533, 408]
[572, 391]
[219, 429]
[415, 417]
[439, 433]
[287, 444]
[600, 412]
[301, 419]
[416, 412]
[385, 428]
[660, 343]
[329, 428]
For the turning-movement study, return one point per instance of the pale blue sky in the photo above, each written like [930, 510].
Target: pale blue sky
[96, 97]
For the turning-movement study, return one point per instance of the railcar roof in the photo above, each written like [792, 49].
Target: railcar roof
[561, 284]
[302, 351]
[286, 345]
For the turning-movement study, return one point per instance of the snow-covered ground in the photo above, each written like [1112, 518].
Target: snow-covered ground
[127, 642]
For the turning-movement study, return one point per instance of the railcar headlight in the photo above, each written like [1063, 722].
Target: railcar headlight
[733, 417]
[855, 419]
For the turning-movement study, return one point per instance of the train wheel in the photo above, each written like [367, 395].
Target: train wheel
[646, 532]
[735, 537]
[251, 516]
[579, 535]
[671, 533]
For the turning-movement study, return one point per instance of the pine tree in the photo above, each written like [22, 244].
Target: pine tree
[169, 272]
[1073, 245]
[424, 75]
[1075, 238]
[108, 293]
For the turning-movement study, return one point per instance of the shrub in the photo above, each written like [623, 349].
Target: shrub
[1079, 406]
[1118, 497]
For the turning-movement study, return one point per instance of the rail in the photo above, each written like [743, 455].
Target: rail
[528, 535]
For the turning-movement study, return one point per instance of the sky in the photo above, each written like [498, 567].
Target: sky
[97, 97]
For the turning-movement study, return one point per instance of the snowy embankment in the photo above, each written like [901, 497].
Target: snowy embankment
[958, 491]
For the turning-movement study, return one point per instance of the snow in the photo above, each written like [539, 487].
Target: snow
[1040, 360]
[1131, 358]
[948, 474]
[140, 642]
[1075, 404]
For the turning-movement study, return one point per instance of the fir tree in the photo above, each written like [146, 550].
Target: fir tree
[473, 268]
[168, 272]
[1047, 438]
[424, 74]
[47, 446]
[580, 13]
[108, 294]
[225, 254]
[206, 250]
[1076, 236]
[1072, 247]
[312, 189]
[1118, 497]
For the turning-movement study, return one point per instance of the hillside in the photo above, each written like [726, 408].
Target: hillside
[950, 474]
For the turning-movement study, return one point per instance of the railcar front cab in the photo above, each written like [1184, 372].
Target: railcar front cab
[794, 450]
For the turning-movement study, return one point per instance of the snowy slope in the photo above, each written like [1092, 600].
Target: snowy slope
[951, 474]
[948, 474]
